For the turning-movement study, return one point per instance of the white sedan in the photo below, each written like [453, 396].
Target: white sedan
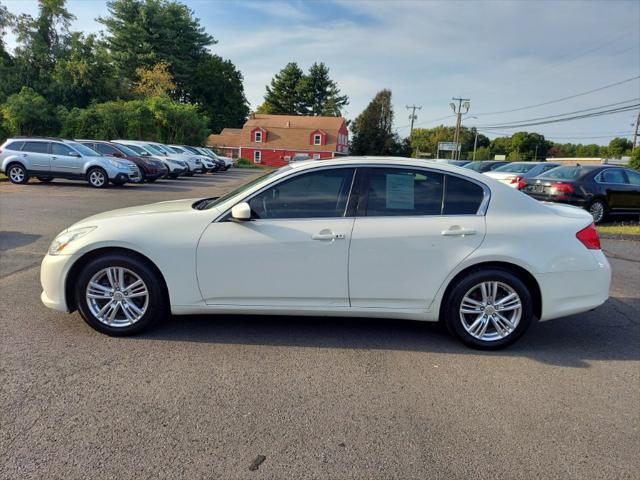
[369, 237]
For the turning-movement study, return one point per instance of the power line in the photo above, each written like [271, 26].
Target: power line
[611, 85]
[556, 119]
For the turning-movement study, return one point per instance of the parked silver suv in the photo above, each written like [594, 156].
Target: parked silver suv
[49, 158]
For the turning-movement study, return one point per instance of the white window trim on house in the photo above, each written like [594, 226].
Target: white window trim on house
[258, 136]
[257, 156]
[316, 156]
[317, 139]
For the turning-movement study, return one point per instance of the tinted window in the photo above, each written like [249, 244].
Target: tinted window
[36, 147]
[403, 192]
[546, 168]
[515, 168]
[612, 176]
[461, 197]
[14, 146]
[566, 173]
[634, 177]
[311, 195]
[59, 149]
[106, 149]
[84, 150]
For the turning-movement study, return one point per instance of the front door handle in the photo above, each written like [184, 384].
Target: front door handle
[326, 235]
[457, 231]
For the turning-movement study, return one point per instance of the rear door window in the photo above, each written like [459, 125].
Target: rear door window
[462, 197]
[36, 147]
[403, 192]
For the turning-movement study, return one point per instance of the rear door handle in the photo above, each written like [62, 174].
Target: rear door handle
[458, 232]
[326, 234]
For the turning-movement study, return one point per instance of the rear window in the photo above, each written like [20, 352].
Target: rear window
[515, 168]
[14, 146]
[462, 197]
[36, 147]
[573, 172]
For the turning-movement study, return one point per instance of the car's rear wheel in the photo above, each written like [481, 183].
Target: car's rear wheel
[97, 178]
[151, 180]
[119, 295]
[17, 174]
[45, 179]
[174, 175]
[489, 309]
[598, 210]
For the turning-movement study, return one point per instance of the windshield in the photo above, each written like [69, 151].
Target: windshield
[476, 166]
[192, 150]
[84, 150]
[153, 149]
[135, 148]
[515, 168]
[565, 173]
[212, 202]
[176, 150]
[128, 151]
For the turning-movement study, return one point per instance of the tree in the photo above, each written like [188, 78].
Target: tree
[142, 33]
[619, 147]
[527, 146]
[425, 140]
[154, 81]
[27, 113]
[219, 92]
[283, 96]
[372, 129]
[319, 95]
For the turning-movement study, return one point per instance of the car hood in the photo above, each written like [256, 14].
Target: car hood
[153, 208]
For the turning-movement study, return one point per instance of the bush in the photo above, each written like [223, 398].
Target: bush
[246, 163]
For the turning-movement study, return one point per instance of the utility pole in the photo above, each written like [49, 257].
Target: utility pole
[458, 111]
[475, 145]
[635, 133]
[535, 158]
[413, 117]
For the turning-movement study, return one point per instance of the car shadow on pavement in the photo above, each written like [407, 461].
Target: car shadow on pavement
[604, 334]
[165, 186]
[11, 239]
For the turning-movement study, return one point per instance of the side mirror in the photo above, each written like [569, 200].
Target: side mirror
[74, 154]
[117, 154]
[241, 212]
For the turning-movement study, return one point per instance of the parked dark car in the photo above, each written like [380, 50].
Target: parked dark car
[600, 189]
[485, 165]
[150, 169]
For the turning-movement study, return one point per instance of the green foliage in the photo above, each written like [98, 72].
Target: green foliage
[619, 147]
[425, 140]
[635, 158]
[372, 129]
[293, 93]
[246, 163]
[158, 119]
[27, 113]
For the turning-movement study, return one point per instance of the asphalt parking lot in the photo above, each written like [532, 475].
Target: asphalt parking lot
[202, 397]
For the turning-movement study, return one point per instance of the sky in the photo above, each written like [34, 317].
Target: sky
[502, 55]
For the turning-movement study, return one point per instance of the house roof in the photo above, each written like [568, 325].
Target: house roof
[292, 132]
[289, 132]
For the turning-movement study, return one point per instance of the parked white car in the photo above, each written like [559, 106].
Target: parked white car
[514, 173]
[175, 167]
[364, 237]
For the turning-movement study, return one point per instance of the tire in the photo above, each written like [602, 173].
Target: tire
[97, 178]
[45, 179]
[598, 210]
[126, 319]
[17, 174]
[174, 175]
[151, 180]
[498, 333]
[189, 174]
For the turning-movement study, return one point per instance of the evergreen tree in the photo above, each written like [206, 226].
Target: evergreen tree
[283, 96]
[319, 95]
[372, 129]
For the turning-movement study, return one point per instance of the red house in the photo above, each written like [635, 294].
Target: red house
[276, 139]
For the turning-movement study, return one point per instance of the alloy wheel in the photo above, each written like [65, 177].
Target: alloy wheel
[490, 311]
[117, 296]
[97, 178]
[597, 211]
[16, 174]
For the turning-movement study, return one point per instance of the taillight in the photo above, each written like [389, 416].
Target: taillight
[563, 188]
[589, 237]
[521, 184]
[516, 179]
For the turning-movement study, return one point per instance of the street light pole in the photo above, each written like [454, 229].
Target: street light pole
[458, 111]
[475, 145]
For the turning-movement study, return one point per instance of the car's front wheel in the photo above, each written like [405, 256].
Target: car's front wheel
[97, 178]
[489, 309]
[119, 295]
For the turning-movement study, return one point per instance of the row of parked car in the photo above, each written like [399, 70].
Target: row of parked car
[600, 189]
[103, 162]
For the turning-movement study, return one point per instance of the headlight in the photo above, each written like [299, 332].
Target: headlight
[117, 164]
[65, 238]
